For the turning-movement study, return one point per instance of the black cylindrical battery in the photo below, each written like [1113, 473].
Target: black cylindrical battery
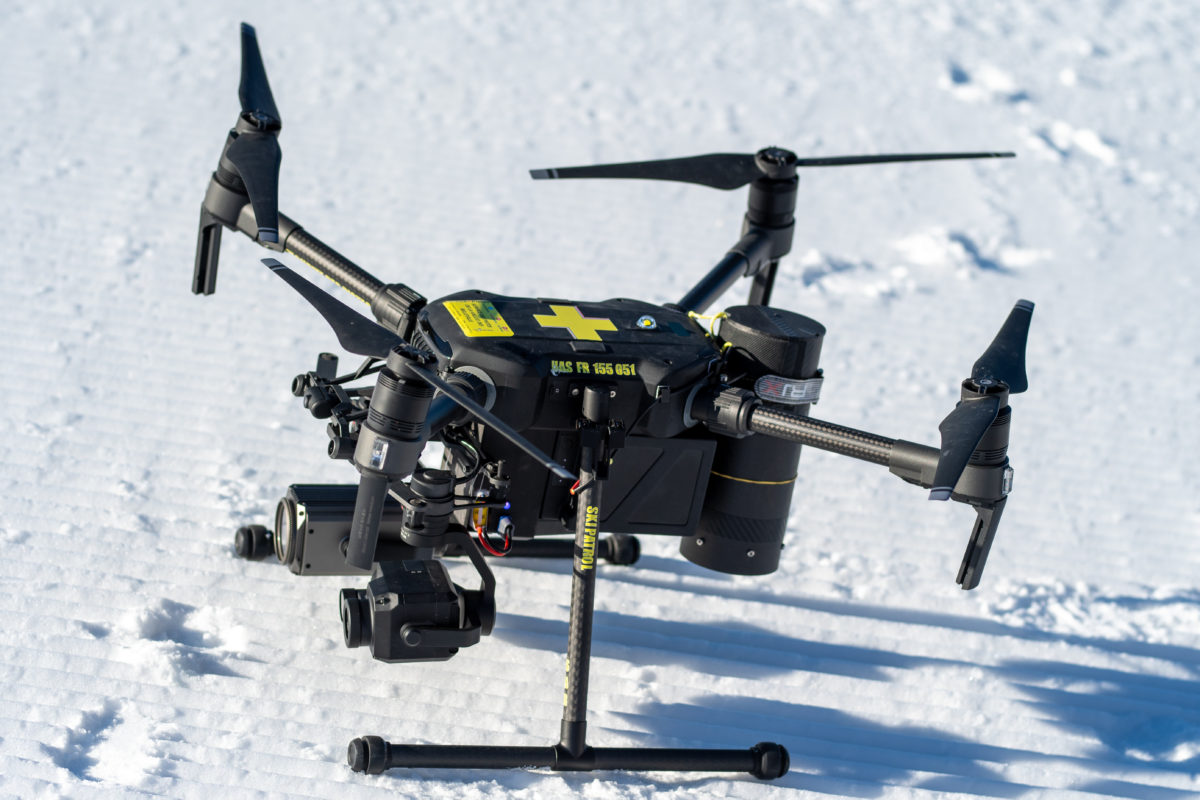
[745, 512]
[746, 508]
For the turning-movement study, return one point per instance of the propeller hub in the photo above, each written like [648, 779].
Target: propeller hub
[984, 387]
[776, 163]
[261, 121]
[403, 355]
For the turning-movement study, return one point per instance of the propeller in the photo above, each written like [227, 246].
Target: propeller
[254, 91]
[254, 152]
[961, 430]
[1001, 367]
[359, 335]
[734, 170]
[1004, 360]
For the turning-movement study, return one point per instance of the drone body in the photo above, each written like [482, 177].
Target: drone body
[561, 416]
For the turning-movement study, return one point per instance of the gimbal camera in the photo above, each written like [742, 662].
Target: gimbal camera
[560, 416]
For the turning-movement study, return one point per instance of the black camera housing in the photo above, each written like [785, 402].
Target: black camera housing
[312, 528]
[412, 611]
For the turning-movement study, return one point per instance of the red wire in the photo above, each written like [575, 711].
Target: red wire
[488, 546]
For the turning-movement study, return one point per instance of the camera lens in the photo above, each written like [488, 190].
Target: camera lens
[355, 611]
[285, 530]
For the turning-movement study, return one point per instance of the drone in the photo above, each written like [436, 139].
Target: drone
[568, 427]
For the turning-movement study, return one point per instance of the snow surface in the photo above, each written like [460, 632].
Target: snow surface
[140, 657]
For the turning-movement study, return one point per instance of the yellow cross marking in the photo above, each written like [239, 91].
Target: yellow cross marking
[581, 327]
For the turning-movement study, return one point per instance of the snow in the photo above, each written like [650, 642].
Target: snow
[140, 657]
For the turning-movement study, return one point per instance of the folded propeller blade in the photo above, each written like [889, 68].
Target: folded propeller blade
[1004, 360]
[256, 157]
[362, 336]
[254, 91]
[255, 153]
[961, 431]
[964, 427]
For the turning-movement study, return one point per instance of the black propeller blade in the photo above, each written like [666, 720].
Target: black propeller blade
[963, 428]
[734, 170]
[355, 333]
[961, 431]
[360, 335]
[845, 161]
[1004, 360]
[256, 157]
[255, 153]
[254, 91]
[718, 170]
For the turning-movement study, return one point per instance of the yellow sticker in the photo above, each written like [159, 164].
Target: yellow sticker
[478, 318]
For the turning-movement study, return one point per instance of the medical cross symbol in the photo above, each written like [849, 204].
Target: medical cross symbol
[581, 327]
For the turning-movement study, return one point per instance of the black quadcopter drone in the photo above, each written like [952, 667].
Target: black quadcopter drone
[561, 416]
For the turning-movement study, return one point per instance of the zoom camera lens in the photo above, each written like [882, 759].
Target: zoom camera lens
[312, 527]
[285, 530]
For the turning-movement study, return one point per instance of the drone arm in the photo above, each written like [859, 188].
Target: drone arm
[910, 461]
[984, 486]
[395, 305]
[913, 462]
[766, 237]
[327, 261]
[980, 484]
[737, 412]
[744, 259]
[296, 240]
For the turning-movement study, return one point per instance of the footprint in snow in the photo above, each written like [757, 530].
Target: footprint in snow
[173, 641]
[987, 83]
[75, 754]
[939, 249]
[113, 743]
[1062, 141]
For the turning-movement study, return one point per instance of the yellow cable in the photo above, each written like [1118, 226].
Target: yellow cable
[712, 320]
[758, 483]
